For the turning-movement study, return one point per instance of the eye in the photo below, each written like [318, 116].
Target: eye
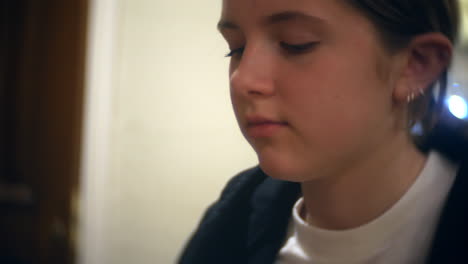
[235, 52]
[296, 49]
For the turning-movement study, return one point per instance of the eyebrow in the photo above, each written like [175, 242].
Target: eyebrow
[274, 19]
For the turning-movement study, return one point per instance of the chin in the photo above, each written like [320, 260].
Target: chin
[282, 170]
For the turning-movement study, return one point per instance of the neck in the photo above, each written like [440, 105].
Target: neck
[365, 190]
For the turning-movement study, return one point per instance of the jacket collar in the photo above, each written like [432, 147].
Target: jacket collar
[271, 206]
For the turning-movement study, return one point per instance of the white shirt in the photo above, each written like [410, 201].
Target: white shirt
[401, 235]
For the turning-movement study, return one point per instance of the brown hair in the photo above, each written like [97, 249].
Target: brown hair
[398, 21]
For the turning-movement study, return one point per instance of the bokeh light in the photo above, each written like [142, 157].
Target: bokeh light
[458, 106]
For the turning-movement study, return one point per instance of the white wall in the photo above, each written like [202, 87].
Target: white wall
[94, 202]
[173, 140]
[174, 137]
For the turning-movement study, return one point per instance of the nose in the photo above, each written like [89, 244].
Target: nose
[252, 75]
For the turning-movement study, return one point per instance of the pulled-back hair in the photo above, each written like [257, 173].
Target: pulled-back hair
[398, 21]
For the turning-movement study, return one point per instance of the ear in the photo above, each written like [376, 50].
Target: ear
[427, 56]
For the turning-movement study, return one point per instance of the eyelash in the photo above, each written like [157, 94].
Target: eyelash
[289, 48]
[297, 49]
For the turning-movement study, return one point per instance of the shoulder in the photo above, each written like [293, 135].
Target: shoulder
[220, 235]
[449, 243]
[245, 181]
[250, 204]
[234, 199]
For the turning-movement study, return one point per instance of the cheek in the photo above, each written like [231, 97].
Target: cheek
[335, 100]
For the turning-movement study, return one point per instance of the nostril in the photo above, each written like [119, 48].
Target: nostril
[250, 84]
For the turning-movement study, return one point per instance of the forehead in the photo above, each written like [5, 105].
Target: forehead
[253, 11]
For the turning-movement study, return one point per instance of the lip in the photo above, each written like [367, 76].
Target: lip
[262, 127]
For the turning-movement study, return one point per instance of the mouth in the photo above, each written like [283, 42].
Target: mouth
[260, 127]
[259, 120]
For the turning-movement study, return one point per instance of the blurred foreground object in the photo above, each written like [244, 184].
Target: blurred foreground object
[42, 47]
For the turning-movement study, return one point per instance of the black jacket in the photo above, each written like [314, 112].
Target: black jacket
[248, 223]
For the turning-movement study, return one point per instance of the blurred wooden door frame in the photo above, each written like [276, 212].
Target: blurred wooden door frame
[41, 94]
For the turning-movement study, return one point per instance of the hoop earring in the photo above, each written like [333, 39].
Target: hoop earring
[410, 97]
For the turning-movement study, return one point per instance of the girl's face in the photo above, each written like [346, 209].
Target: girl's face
[311, 84]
